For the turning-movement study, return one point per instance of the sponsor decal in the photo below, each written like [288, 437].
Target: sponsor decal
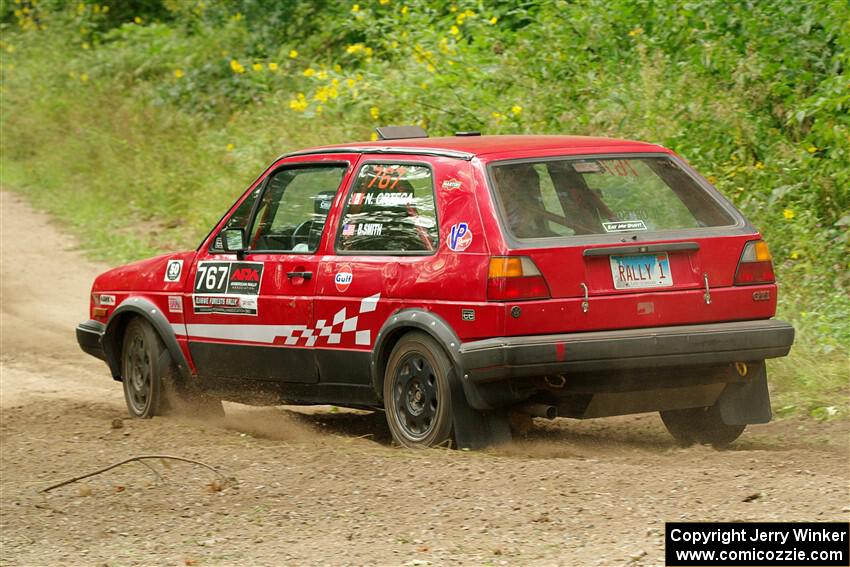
[467, 314]
[370, 229]
[175, 304]
[227, 287]
[104, 299]
[451, 184]
[460, 237]
[624, 226]
[173, 270]
[343, 278]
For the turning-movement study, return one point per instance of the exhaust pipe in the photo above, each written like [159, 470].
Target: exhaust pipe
[539, 410]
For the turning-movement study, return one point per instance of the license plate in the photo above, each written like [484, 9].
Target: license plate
[641, 271]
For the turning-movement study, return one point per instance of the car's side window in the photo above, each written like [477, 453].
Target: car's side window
[239, 218]
[390, 209]
[294, 206]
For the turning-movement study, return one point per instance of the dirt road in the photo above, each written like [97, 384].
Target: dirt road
[328, 488]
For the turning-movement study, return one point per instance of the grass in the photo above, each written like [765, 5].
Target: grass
[138, 134]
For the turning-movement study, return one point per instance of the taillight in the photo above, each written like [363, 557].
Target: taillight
[756, 264]
[513, 278]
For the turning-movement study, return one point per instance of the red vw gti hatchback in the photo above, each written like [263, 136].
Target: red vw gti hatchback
[452, 281]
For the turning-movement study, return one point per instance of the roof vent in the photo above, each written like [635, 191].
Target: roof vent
[400, 132]
[468, 133]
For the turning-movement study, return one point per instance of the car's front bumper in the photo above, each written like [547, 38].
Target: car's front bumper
[89, 337]
[687, 345]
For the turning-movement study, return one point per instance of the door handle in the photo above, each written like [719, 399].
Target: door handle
[305, 275]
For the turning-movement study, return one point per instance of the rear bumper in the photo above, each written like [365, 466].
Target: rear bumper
[687, 345]
[89, 337]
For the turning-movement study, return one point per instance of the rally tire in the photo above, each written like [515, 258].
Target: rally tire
[700, 426]
[143, 358]
[417, 393]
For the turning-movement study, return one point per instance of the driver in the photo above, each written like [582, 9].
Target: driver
[519, 189]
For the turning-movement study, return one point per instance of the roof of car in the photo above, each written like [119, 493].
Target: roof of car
[467, 147]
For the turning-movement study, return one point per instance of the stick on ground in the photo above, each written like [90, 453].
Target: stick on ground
[130, 460]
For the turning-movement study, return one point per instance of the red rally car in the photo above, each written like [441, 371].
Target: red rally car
[450, 281]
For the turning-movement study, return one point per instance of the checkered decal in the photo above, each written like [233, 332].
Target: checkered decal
[292, 335]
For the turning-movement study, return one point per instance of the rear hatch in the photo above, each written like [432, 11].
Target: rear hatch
[631, 240]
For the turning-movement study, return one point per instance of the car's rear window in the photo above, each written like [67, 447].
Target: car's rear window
[571, 196]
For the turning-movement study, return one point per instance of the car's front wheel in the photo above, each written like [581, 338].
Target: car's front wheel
[417, 396]
[141, 373]
[149, 377]
[700, 425]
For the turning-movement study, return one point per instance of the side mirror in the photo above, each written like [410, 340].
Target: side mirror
[233, 240]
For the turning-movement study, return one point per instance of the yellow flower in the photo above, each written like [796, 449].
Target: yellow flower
[319, 109]
[712, 179]
[105, 9]
[178, 73]
[230, 147]
[497, 115]
[367, 51]
[454, 30]
[788, 214]
[309, 72]
[811, 149]
[298, 104]
[493, 20]
[453, 9]
[373, 136]
[257, 66]
[355, 8]
[374, 112]
[272, 66]
[404, 10]
[236, 66]
[636, 32]
[236, 17]
[516, 110]
[81, 8]
[759, 165]
[84, 77]
[293, 53]
[322, 75]
[383, 2]
[795, 255]
[431, 68]
[85, 45]
[137, 19]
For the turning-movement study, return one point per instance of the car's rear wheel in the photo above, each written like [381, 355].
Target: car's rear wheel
[417, 395]
[700, 425]
[149, 377]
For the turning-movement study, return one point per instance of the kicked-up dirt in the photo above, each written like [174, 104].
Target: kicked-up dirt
[327, 487]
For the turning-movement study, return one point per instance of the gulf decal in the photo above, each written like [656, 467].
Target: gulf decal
[343, 278]
[460, 237]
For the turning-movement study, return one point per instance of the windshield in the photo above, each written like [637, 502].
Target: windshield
[566, 197]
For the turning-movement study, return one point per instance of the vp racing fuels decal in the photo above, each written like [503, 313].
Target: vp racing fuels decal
[227, 287]
[460, 237]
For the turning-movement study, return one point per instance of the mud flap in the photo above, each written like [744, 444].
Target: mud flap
[742, 403]
[475, 429]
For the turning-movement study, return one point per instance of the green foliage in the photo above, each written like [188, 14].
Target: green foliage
[140, 122]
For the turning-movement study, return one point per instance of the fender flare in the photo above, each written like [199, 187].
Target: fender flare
[422, 320]
[145, 309]
[476, 424]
